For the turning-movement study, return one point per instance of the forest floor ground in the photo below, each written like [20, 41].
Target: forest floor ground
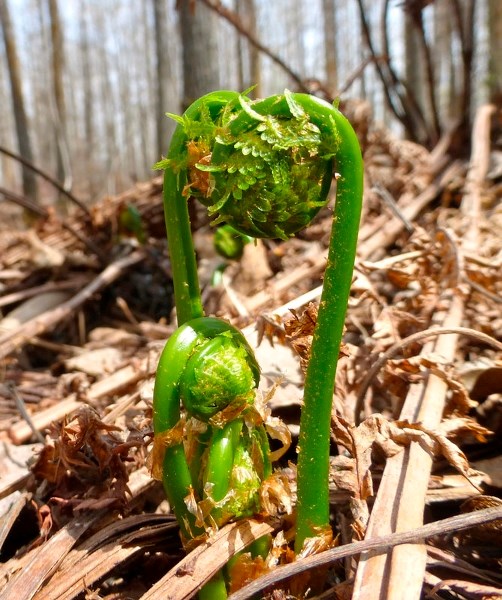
[417, 414]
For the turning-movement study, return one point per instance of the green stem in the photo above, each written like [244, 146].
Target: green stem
[221, 458]
[176, 478]
[314, 440]
[214, 589]
[196, 461]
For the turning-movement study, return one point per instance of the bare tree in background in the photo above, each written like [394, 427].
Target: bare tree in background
[443, 55]
[495, 61]
[88, 92]
[246, 11]
[423, 124]
[199, 36]
[414, 70]
[117, 86]
[164, 76]
[420, 76]
[463, 12]
[21, 122]
[295, 50]
[8, 167]
[330, 33]
[57, 60]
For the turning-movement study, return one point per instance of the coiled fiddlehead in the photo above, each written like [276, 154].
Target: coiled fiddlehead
[265, 168]
[209, 366]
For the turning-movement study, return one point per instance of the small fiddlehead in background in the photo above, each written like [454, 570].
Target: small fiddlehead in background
[230, 243]
[265, 168]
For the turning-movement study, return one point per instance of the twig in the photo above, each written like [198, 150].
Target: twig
[234, 20]
[24, 202]
[48, 178]
[39, 325]
[479, 288]
[388, 232]
[411, 339]
[377, 545]
[42, 212]
[357, 72]
[384, 194]
[24, 413]
[50, 286]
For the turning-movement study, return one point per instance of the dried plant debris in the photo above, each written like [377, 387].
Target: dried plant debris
[84, 465]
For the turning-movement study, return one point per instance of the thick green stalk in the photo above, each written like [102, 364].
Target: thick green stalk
[314, 440]
[181, 251]
[214, 589]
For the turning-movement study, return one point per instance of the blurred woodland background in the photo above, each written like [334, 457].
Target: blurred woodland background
[85, 84]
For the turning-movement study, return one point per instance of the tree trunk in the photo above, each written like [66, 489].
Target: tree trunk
[295, 49]
[57, 56]
[445, 70]
[164, 76]
[88, 100]
[495, 60]
[420, 73]
[199, 37]
[21, 122]
[330, 33]
[249, 57]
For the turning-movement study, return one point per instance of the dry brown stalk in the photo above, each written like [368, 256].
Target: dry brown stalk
[381, 544]
[399, 505]
[99, 555]
[476, 177]
[51, 286]
[21, 432]
[411, 339]
[46, 559]
[401, 496]
[189, 575]
[373, 239]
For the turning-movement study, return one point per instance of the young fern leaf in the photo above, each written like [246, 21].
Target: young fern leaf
[208, 366]
[269, 171]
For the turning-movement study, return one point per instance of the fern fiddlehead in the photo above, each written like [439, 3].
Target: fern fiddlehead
[209, 366]
[265, 168]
